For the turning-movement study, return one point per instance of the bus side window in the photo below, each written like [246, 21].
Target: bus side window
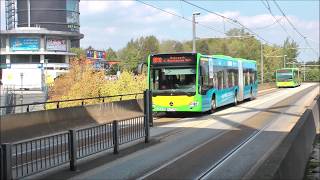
[215, 80]
[230, 78]
[204, 75]
[236, 77]
[225, 78]
[220, 80]
[244, 77]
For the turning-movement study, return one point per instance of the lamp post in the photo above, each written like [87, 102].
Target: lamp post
[284, 61]
[261, 62]
[194, 31]
[21, 91]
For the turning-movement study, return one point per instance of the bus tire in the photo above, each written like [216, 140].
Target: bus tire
[235, 101]
[213, 105]
[251, 95]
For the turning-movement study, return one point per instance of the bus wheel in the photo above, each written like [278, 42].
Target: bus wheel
[213, 105]
[251, 95]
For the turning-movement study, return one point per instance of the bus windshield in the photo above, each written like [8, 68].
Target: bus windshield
[173, 80]
[284, 76]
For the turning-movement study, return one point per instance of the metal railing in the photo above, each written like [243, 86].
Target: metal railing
[36, 155]
[82, 101]
[95, 139]
[28, 157]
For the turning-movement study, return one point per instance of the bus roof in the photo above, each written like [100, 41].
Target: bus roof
[288, 69]
[220, 56]
[247, 60]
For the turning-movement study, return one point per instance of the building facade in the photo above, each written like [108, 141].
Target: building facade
[35, 47]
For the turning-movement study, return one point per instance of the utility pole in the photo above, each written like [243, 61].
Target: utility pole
[261, 63]
[304, 71]
[194, 31]
[284, 61]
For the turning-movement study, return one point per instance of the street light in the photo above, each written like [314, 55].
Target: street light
[284, 61]
[194, 30]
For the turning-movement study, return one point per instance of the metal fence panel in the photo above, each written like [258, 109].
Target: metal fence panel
[131, 129]
[36, 155]
[94, 139]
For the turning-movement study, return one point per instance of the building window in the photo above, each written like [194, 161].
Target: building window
[55, 58]
[2, 59]
[25, 59]
[3, 42]
[75, 43]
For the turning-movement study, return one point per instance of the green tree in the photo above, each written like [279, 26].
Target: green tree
[313, 74]
[170, 46]
[137, 51]
[80, 53]
[148, 45]
[290, 49]
[130, 56]
[111, 54]
[178, 47]
[202, 47]
[237, 32]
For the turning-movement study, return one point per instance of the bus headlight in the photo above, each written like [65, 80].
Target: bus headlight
[193, 104]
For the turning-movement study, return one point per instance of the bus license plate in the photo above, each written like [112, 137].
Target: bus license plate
[171, 109]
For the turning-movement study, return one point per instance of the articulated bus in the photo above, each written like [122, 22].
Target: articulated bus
[288, 77]
[192, 82]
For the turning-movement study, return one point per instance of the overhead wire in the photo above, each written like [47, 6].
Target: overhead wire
[231, 20]
[293, 26]
[277, 20]
[179, 16]
[267, 26]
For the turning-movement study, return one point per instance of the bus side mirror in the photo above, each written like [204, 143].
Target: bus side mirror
[139, 69]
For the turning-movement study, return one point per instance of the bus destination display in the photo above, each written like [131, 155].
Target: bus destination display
[284, 71]
[182, 59]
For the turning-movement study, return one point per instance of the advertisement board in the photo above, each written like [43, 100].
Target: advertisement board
[56, 44]
[24, 44]
[72, 7]
[93, 54]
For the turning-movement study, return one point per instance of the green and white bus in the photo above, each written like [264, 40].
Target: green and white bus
[288, 77]
[192, 82]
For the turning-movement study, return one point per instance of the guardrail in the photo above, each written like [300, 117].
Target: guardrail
[82, 101]
[28, 157]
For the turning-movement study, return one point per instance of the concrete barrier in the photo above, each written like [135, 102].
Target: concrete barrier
[16, 127]
[289, 159]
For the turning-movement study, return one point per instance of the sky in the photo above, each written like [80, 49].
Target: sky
[113, 23]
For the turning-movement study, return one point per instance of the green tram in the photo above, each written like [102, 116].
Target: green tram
[288, 77]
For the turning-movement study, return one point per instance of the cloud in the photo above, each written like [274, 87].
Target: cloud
[110, 30]
[114, 24]
[260, 20]
[94, 7]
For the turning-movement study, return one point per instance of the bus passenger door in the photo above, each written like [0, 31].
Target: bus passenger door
[240, 82]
